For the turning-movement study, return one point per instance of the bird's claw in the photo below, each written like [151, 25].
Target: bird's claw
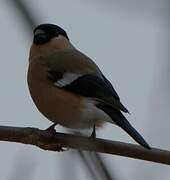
[51, 129]
[93, 135]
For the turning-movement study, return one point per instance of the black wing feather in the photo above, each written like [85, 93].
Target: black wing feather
[91, 86]
[95, 87]
[111, 87]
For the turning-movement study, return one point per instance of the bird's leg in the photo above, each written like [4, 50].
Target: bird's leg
[51, 129]
[93, 135]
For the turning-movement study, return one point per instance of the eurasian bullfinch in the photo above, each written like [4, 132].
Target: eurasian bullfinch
[68, 88]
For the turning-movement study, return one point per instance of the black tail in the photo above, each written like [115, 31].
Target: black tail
[122, 122]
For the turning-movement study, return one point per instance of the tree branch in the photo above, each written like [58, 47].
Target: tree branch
[50, 141]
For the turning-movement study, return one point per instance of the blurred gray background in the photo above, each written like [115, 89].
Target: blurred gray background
[129, 40]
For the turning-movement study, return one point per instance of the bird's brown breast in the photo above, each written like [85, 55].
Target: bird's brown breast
[56, 104]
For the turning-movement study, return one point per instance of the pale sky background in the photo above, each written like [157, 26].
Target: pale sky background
[129, 40]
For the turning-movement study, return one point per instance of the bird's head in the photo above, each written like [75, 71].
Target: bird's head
[48, 38]
[44, 33]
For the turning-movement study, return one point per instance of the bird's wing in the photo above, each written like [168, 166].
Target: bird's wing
[90, 86]
[77, 73]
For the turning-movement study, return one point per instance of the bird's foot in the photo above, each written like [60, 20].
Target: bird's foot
[93, 135]
[51, 129]
[54, 147]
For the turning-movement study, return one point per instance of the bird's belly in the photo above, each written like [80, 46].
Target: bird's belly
[91, 115]
[65, 108]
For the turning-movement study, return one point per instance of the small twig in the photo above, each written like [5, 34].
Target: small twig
[47, 141]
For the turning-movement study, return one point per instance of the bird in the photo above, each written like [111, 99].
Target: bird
[68, 87]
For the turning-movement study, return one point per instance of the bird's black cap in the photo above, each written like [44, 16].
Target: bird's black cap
[45, 32]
